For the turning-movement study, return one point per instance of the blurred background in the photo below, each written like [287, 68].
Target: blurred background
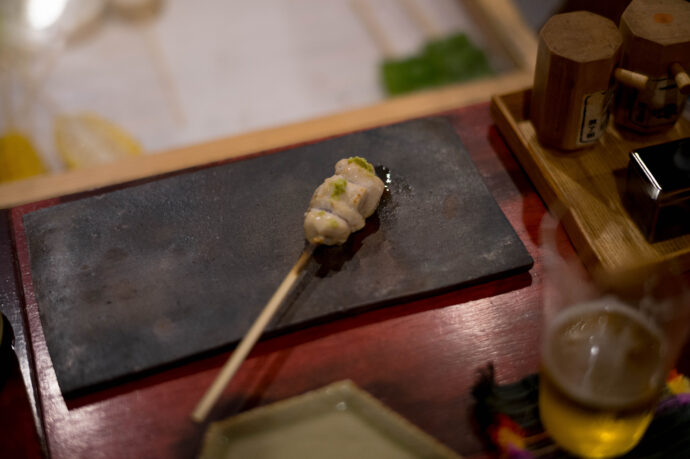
[91, 81]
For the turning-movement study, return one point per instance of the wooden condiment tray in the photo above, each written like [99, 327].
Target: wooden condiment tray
[584, 188]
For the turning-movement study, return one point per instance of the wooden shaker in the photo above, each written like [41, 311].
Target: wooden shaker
[656, 43]
[573, 83]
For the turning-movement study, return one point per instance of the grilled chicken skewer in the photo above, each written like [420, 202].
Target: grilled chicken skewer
[338, 207]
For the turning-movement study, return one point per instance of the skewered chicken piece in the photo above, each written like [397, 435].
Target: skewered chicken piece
[358, 170]
[342, 198]
[325, 227]
[342, 202]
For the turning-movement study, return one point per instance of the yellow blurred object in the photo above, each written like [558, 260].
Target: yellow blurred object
[18, 158]
[87, 139]
[678, 383]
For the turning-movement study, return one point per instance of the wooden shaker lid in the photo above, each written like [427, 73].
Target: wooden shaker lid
[656, 34]
[581, 37]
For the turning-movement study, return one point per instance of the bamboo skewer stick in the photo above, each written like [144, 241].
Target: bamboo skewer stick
[35, 81]
[366, 15]
[164, 73]
[238, 356]
[141, 14]
[430, 28]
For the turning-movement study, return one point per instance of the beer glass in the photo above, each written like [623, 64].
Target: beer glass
[604, 366]
[607, 347]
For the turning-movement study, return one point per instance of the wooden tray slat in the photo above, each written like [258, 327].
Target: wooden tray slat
[584, 188]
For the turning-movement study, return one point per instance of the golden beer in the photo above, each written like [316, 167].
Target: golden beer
[602, 373]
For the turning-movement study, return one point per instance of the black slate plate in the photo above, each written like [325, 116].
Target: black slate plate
[143, 276]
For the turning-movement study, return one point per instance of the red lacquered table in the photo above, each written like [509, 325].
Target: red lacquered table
[420, 358]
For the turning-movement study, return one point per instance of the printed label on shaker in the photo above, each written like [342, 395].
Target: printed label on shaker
[594, 116]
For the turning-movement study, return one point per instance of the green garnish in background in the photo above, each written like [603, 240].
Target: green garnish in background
[448, 60]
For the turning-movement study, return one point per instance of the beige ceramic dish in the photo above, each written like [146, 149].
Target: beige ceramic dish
[336, 422]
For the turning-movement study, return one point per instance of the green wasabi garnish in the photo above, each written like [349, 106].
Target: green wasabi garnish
[332, 222]
[339, 187]
[361, 162]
